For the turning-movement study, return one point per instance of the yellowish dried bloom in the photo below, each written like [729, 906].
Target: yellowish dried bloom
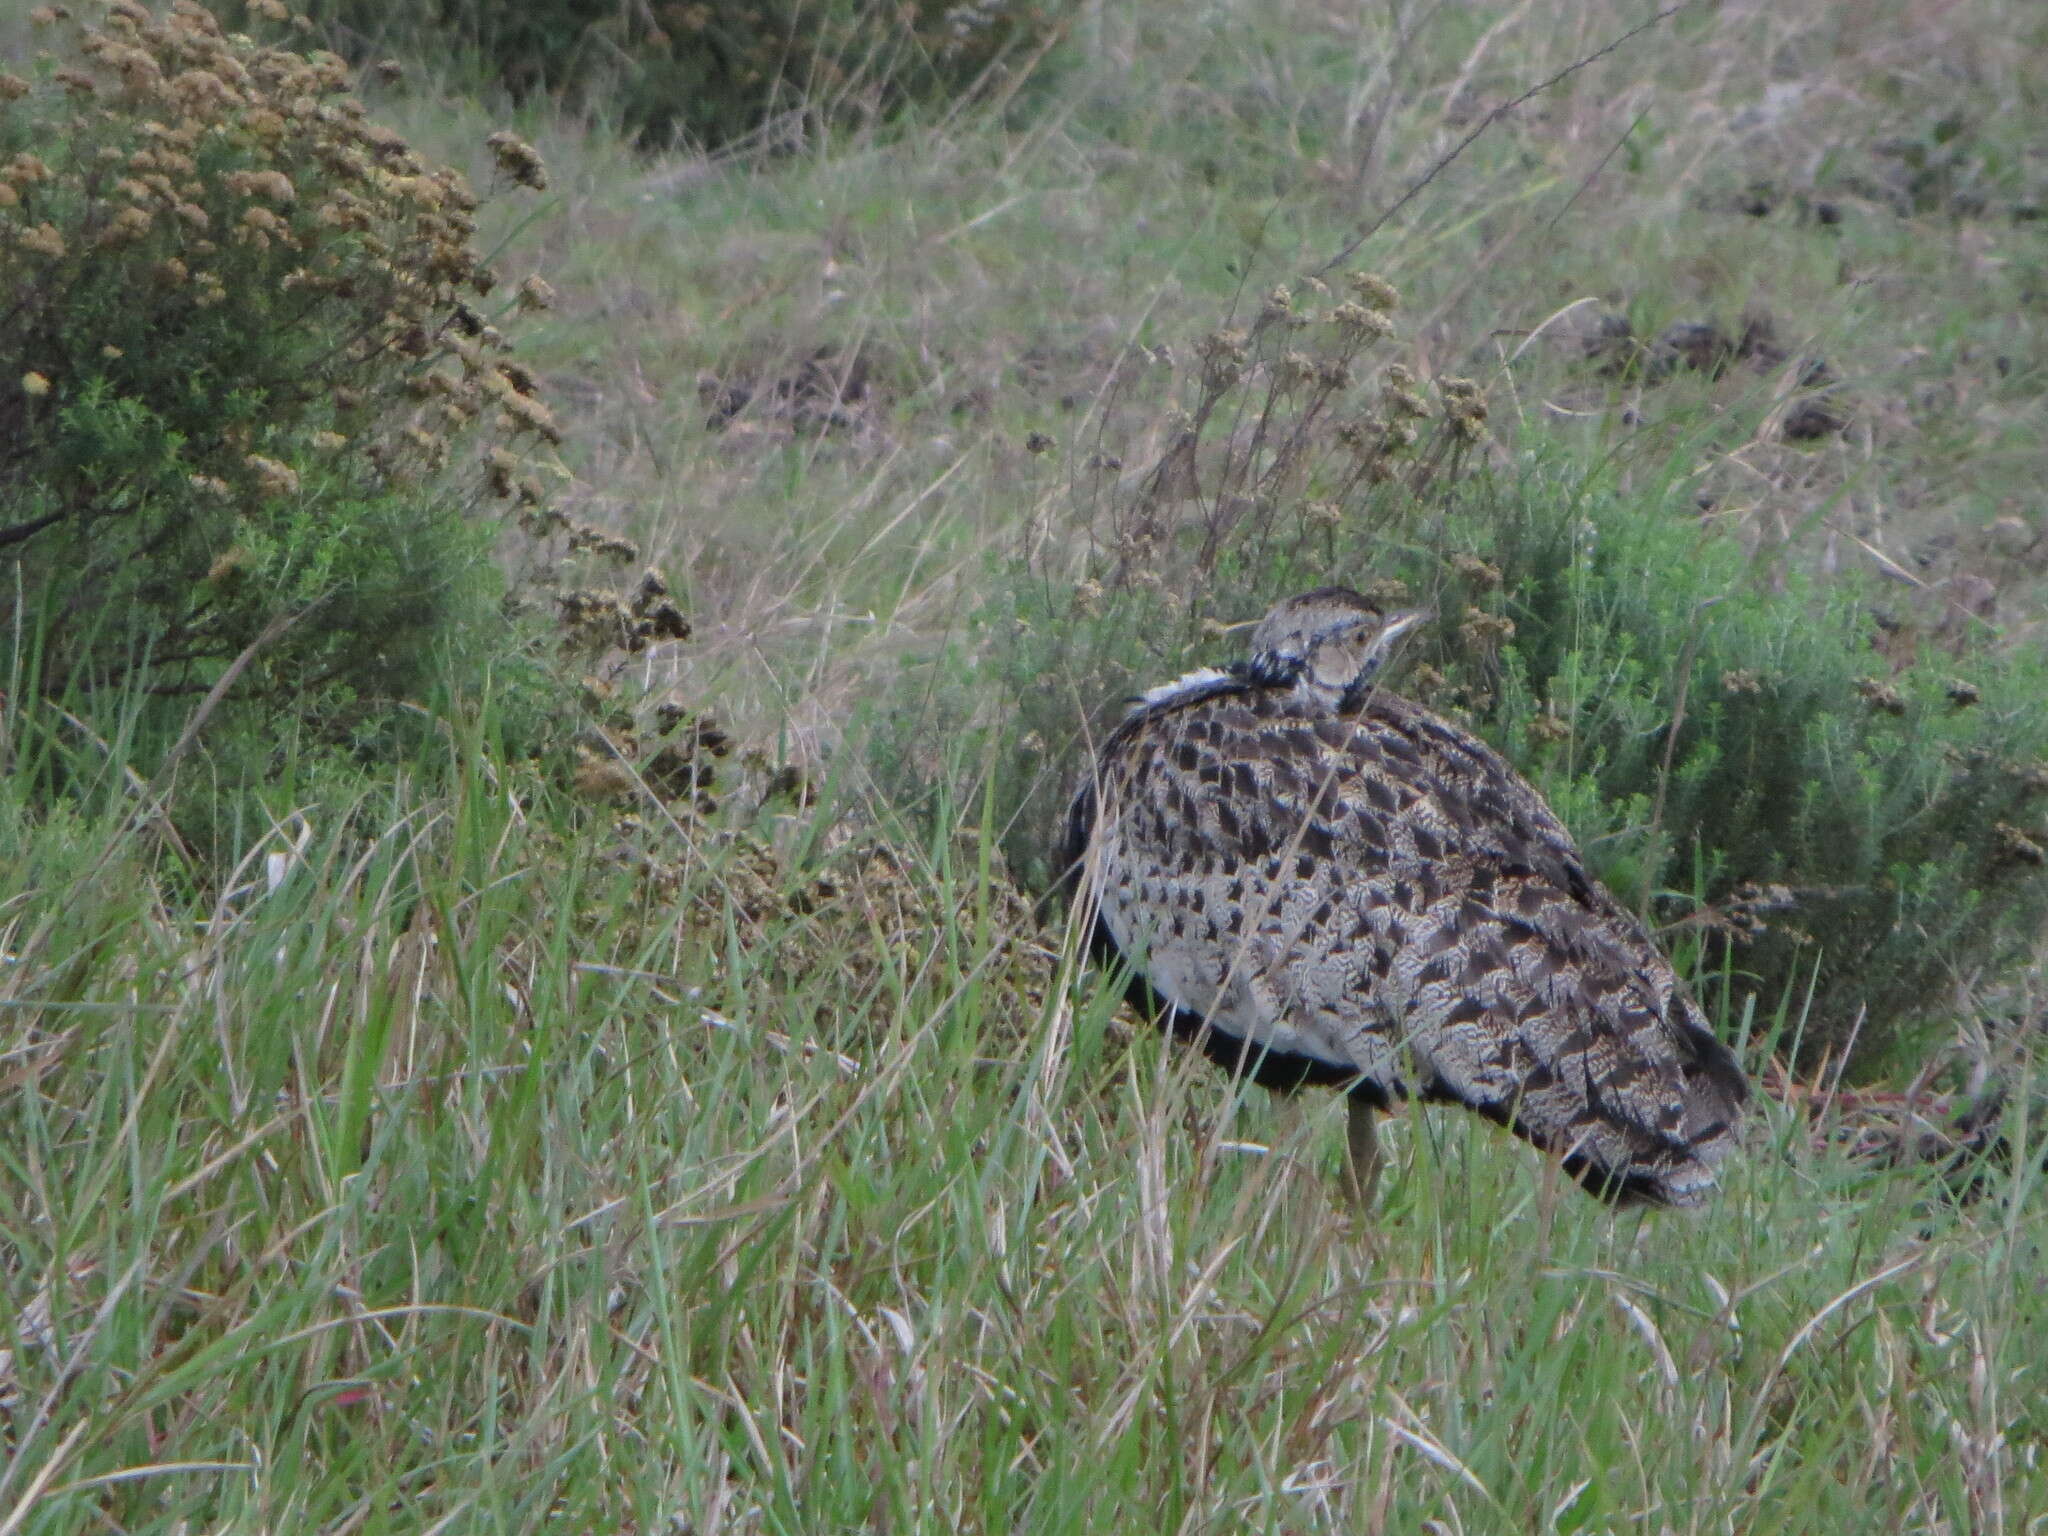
[344, 210]
[2010, 842]
[525, 414]
[26, 170]
[129, 224]
[196, 17]
[385, 143]
[1363, 324]
[272, 477]
[518, 159]
[1223, 356]
[1881, 695]
[430, 446]
[1373, 291]
[421, 191]
[500, 471]
[138, 69]
[272, 185]
[43, 240]
[34, 385]
[1480, 573]
[1403, 401]
[535, 293]
[1296, 370]
[12, 87]
[1483, 631]
[199, 89]
[8, 196]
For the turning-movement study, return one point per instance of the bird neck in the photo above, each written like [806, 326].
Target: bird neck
[1271, 669]
[1345, 694]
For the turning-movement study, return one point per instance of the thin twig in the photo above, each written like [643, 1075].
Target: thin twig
[271, 631]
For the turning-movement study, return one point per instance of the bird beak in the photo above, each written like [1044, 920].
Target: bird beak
[1383, 643]
[1400, 624]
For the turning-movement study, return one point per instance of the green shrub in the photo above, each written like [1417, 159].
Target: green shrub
[253, 417]
[1736, 756]
[713, 71]
[1753, 765]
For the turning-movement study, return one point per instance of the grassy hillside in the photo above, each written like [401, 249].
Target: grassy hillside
[724, 1145]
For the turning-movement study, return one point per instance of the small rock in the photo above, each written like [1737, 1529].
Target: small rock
[1811, 419]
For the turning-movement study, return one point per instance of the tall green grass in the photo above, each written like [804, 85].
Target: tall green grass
[446, 1178]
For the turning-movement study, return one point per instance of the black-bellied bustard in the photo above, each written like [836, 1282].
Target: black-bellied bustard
[1323, 882]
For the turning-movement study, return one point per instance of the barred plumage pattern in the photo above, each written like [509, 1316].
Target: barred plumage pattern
[1326, 883]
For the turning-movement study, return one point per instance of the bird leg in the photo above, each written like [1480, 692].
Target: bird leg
[1363, 1139]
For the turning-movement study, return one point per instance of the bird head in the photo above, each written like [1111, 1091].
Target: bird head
[1332, 641]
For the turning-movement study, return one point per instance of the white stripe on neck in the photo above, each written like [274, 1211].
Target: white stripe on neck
[1180, 687]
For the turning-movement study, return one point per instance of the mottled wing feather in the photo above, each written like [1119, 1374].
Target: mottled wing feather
[1380, 896]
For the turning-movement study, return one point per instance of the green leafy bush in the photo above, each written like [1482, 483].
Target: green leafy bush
[252, 417]
[1737, 756]
[1755, 768]
[713, 71]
